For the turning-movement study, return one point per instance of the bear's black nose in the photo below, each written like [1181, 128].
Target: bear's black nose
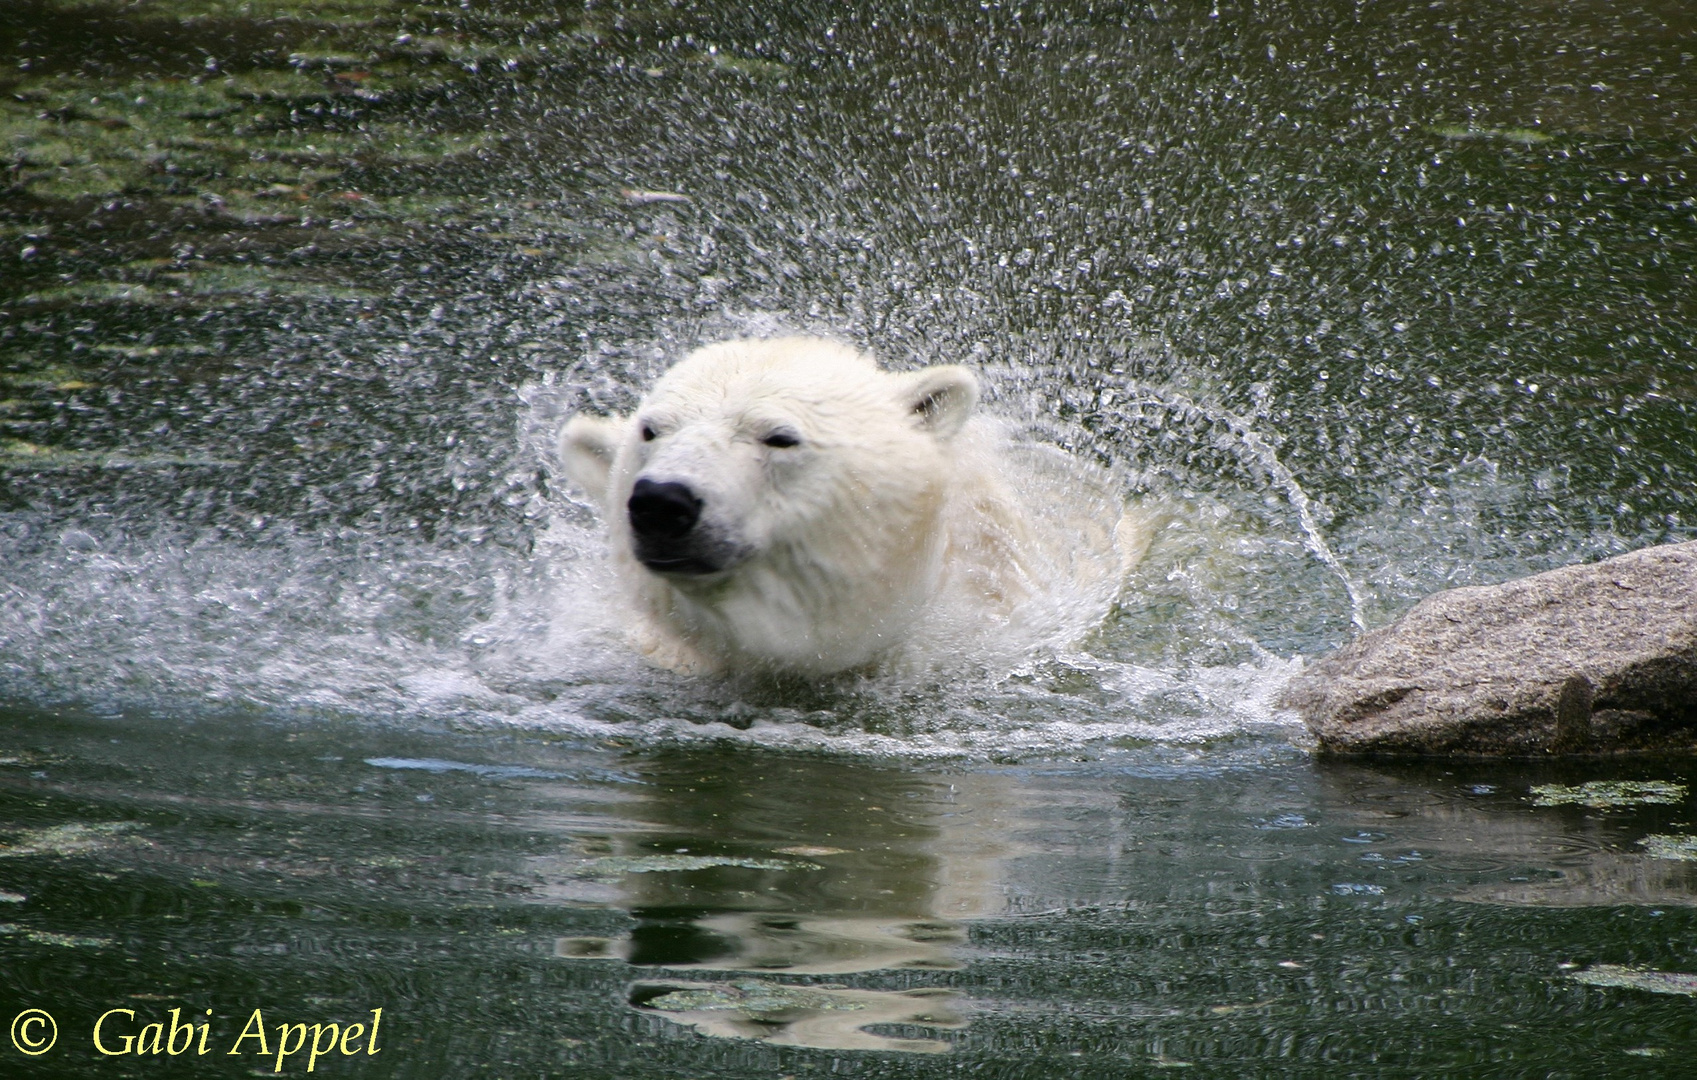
[662, 511]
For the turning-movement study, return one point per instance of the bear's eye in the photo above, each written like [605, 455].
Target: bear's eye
[782, 439]
[648, 433]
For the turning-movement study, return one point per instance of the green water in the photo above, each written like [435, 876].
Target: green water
[523, 905]
[312, 695]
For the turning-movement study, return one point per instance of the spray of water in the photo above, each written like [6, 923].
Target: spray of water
[1255, 451]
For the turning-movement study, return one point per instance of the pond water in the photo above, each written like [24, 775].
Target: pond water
[312, 693]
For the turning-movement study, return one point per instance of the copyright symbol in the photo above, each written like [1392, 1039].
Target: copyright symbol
[34, 1032]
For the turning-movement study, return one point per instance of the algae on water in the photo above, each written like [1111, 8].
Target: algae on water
[75, 839]
[1609, 794]
[656, 864]
[241, 143]
[45, 937]
[259, 112]
[1523, 136]
[752, 996]
[174, 287]
[1638, 978]
[1665, 846]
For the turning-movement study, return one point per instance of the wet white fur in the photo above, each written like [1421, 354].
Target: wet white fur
[895, 498]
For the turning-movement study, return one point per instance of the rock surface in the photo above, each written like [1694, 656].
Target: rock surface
[1592, 659]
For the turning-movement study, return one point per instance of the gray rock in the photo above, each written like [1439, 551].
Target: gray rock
[1594, 659]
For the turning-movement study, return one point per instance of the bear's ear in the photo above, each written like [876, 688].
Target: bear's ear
[587, 446]
[941, 398]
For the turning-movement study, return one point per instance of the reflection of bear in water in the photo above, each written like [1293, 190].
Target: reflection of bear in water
[784, 505]
[792, 865]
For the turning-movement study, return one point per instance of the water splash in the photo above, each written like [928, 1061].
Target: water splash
[1255, 451]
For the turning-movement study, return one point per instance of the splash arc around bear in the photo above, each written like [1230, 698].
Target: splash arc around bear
[783, 505]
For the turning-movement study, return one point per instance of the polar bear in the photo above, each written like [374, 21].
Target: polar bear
[784, 506]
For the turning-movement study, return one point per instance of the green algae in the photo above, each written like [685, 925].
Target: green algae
[749, 67]
[754, 997]
[1523, 136]
[304, 96]
[1610, 794]
[73, 839]
[656, 864]
[1617, 976]
[45, 937]
[1665, 846]
[219, 143]
[146, 352]
[314, 11]
[282, 140]
[18, 455]
[37, 376]
[213, 281]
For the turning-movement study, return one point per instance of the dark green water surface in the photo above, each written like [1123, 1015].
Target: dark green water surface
[527, 906]
[312, 693]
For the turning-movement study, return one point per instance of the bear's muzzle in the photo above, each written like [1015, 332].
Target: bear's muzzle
[663, 518]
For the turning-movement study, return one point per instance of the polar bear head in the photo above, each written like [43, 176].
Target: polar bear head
[779, 499]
